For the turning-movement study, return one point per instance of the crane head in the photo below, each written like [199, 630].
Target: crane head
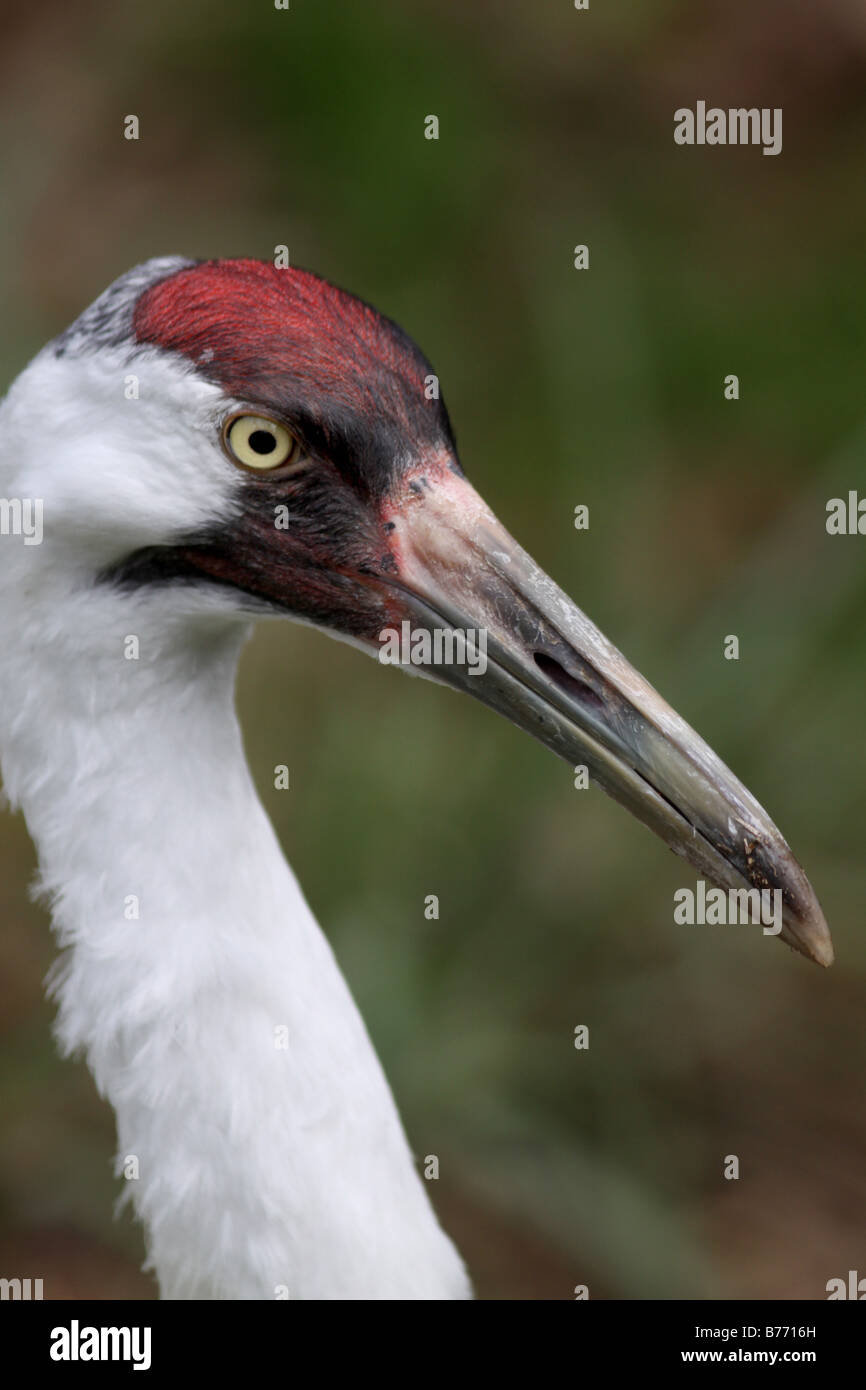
[253, 440]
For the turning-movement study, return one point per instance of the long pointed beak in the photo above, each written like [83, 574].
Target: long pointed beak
[552, 673]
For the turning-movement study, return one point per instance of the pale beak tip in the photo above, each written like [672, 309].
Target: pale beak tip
[822, 949]
[811, 937]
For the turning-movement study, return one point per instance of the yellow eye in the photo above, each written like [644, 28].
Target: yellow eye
[259, 443]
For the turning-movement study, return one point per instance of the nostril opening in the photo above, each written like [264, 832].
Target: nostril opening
[571, 685]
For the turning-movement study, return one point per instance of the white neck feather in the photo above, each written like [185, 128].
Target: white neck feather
[263, 1170]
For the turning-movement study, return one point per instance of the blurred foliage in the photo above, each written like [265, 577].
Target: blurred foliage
[305, 127]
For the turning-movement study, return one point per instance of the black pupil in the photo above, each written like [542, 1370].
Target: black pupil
[261, 442]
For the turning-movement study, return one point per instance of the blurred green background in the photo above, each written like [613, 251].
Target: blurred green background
[305, 127]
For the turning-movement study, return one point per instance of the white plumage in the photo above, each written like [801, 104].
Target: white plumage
[260, 1168]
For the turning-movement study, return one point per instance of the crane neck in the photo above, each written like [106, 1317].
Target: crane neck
[257, 1136]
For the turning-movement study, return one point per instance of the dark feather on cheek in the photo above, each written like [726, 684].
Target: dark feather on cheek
[353, 389]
